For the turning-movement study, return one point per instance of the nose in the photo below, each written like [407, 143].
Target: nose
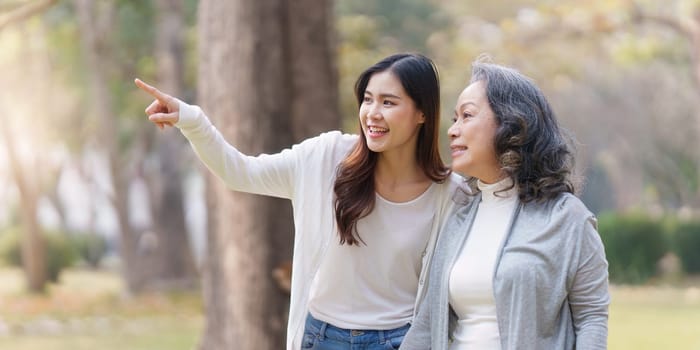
[453, 130]
[374, 112]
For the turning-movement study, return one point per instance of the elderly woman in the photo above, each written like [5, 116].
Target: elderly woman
[520, 265]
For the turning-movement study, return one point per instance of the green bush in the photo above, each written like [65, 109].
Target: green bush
[59, 252]
[687, 245]
[10, 247]
[634, 243]
[90, 247]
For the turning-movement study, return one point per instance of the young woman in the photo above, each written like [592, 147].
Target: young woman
[367, 207]
[520, 265]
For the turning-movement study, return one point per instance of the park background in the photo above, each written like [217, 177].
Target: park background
[114, 236]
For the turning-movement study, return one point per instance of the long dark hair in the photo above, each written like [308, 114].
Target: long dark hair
[354, 185]
[531, 147]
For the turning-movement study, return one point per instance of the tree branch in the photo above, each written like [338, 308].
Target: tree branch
[24, 12]
[641, 16]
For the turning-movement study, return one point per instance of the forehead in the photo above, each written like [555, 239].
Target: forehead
[385, 82]
[474, 93]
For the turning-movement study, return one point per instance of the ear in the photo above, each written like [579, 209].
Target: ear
[421, 120]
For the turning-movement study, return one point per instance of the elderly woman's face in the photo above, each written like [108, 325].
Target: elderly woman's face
[472, 136]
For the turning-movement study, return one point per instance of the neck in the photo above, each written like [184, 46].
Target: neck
[393, 171]
[400, 181]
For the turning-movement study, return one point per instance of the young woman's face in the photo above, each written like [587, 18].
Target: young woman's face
[388, 116]
[472, 136]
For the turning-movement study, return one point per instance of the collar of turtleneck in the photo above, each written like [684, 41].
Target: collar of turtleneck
[494, 193]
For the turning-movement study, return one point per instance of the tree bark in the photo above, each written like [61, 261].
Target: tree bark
[266, 79]
[158, 259]
[170, 264]
[24, 12]
[33, 246]
[94, 24]
[314, 77]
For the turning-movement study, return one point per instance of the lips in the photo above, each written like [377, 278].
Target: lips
[457, 150]
[376, 131]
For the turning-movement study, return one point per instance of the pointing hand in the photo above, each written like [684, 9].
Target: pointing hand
[165, 110]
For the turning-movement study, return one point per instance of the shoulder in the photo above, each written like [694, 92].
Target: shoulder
[572, 208]
[565, 213]
[452, 184]
[331, 140]
[338, 136]
[335, 138]
[564, 205]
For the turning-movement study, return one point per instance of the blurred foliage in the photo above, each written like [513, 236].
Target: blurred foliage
[60, 253]
[604, 72]
[10, 246]
[88, 310]
[634, 243]
[686, 243]
[91, 247]
[622, 85]
[130, 41]
[401, 24]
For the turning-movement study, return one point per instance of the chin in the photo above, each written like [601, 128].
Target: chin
[459, 168]
[375, 149]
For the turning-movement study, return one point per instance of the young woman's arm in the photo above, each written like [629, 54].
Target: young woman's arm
[265, 174]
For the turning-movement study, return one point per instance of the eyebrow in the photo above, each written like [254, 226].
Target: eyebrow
[463, 106]
[384, 95]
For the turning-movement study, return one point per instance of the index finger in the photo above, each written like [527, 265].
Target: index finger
[162, 97]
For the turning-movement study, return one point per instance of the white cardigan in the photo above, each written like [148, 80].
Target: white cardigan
[305, 174]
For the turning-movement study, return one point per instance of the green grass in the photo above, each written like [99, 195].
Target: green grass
[88, 311]
[646, 318]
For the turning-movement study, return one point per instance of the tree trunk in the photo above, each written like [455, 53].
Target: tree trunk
[314, 90]
[265, 70]
[33, 246]
[170, 265]
[31, 187]
[94, 24]
[158, 259]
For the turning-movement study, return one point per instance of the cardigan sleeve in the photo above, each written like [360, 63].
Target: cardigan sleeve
[589, 298]
[266, 174]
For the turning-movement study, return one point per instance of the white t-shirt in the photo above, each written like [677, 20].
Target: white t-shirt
[471, 279]
[373, 286]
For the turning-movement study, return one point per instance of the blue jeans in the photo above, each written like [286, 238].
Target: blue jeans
[319, 335]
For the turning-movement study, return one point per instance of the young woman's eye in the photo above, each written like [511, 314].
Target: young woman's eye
[388, 103]
[366, 99]
[466, 115]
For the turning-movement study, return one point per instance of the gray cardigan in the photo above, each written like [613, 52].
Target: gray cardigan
[550, 281]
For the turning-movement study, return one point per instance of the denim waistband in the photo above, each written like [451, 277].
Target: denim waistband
[325, 329]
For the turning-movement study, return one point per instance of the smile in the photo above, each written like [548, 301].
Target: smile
[457, 150]
[376, 131]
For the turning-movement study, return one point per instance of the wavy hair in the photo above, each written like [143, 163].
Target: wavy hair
[531, 147]
[354, 185]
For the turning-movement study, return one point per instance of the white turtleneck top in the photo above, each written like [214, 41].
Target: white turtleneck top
[471, 278]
